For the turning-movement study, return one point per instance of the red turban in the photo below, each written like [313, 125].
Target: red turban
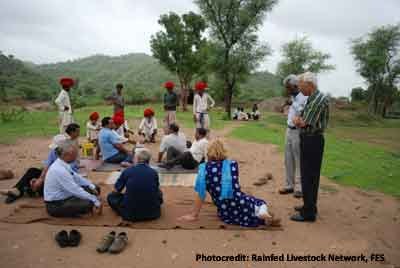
[148, 112]
[169, 85]
[67, 82]
[94, 116]
[200, 86]
[118, 120]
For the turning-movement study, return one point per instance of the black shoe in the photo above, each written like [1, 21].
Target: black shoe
[286, 191]
[300, 218]
[74, 238]
[11, 197]
[62, 239]
[298, 208]
[165, 166]
[298, 194]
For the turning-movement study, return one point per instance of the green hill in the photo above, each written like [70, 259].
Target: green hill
[141, 75]
[19, 81]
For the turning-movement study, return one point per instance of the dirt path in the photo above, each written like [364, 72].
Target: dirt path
[350, 222]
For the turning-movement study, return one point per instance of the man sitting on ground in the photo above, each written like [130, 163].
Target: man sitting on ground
[66, 193]
[111, 146]
[31, 183]
[196, 154]
[142, 198]
[172, 144]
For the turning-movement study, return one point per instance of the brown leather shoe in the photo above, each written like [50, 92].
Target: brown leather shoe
[286, 191]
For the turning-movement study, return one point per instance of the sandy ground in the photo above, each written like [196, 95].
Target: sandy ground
[350, 222]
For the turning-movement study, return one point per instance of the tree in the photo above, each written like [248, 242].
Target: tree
[235, 49]
[358, 94]
[378, 62]
[181, 48]
[299, 56]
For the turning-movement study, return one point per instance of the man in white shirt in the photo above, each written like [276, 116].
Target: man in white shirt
[173, 143]
[64, 104]
[201, 106]
[196, 154]
[66, 193]
[292, 147]
[148, 126]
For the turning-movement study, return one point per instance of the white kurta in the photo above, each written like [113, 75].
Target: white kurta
[65, 117]
[92, 130]
[147, 127]
[200, 110]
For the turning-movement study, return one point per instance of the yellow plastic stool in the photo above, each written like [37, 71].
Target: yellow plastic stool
[87, 149]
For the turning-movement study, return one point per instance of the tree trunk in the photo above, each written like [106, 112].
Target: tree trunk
[228, 99]
[184, 98]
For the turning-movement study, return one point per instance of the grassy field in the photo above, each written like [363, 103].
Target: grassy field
[45, 123]
[359, 154]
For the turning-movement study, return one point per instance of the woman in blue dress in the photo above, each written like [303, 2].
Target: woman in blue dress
[220, 178]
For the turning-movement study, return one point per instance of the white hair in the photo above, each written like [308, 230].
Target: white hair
[143, 156]
[291, 79]
[309, 77]
[64, 147]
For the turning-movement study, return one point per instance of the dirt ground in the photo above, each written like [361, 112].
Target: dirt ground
[350, 222]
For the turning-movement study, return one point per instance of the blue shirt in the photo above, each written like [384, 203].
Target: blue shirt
[62, 182]
[107, 139]
[53, 157]
[142, 198]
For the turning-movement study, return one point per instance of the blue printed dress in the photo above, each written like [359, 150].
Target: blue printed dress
[240, 209]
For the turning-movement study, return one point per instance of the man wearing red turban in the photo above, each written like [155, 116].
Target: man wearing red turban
[201, 106]
[170, 103]
[63, 103]
[148, 126]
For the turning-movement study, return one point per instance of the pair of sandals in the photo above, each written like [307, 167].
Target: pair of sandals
[68, 240]
[113, 243]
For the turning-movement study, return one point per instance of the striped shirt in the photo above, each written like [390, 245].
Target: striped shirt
[316, 113]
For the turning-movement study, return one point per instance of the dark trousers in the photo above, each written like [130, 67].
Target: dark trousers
[118, 158]
[311, 152]
[185, 159]
[115, 201]
[70, 207]
[24, 184]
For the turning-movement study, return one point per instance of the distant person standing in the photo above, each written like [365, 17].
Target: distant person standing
[117, 99]
[201, 106]
[170, 103]
[312, 122]
[292, 148]
[63, 103]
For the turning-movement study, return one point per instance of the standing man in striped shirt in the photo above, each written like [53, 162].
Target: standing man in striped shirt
[312, 123]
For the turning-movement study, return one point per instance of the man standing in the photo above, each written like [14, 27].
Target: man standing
[117, 99]
[313, 123]
[170, 103]
[64, 104]
[201, 106]
[292, 147]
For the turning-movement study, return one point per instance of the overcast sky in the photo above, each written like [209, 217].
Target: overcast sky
[46, 31]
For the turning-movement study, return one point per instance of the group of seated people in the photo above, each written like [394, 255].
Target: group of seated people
[137, 195]
[240, 115]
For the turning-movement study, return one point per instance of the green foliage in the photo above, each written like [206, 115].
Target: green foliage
[299, 56]
[180, 47]
[235, 49]
[358, 94]
[17, 81]
[11, 114]
[378, 62]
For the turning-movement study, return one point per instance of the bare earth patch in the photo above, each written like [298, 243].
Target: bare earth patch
[350, 222]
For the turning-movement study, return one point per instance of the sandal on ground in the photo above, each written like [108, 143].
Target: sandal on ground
[106, 242]
[74, 238]
[119, 243]
[62, 239]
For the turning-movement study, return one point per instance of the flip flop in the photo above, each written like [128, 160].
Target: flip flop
[106, 242]
[62, 239]
[74, 238]
[11, 197]
[119, 243]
